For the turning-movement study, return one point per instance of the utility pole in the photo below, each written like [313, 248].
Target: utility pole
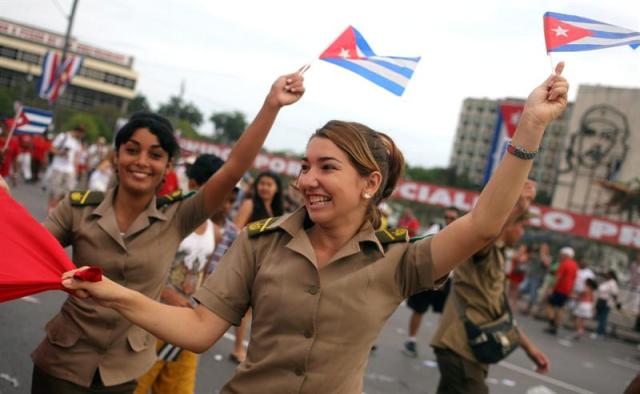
[65, 49]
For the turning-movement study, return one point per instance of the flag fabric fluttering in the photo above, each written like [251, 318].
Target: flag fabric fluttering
[48, 75]
[352, 52]
[508, 117]
[32, 260]
[33, 121]
[571, 33]
[57, 74]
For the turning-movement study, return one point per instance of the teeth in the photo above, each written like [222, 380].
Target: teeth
[314, 199]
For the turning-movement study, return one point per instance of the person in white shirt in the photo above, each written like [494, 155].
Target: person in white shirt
[584, 273]
[62, 177]
[607, 299]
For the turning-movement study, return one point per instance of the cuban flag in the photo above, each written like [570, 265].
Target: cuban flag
[33, 120]
[508, 117]
[571, 33]
[352, 52]
[50, 65]
[69, 69]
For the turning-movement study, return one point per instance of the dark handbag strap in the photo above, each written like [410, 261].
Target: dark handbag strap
[461, 305]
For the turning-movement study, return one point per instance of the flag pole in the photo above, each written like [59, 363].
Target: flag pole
[553, 69]
[12, 130]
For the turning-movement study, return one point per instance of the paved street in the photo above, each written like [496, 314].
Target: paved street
[589, 366]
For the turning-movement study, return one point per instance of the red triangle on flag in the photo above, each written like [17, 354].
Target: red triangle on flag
[558, 33]
[510, 117]
[21, 119]
[343, 47]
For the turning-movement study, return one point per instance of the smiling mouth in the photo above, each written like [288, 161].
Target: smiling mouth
[318, 201]
[139, 174]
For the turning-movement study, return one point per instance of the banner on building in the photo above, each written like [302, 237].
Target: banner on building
[508, 118]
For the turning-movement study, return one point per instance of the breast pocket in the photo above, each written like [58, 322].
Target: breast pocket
[62, 332]
[138, 339]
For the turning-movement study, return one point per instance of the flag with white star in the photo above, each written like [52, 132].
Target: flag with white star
[351, 51]
[571, 33]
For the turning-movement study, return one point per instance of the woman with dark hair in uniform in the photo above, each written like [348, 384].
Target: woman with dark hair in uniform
[321, 282]
[133, 236]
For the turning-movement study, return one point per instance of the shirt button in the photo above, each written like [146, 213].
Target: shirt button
[308, 334]
[313, 290]
[299, 372]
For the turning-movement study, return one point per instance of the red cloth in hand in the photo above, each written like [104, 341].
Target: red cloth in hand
[91, 274]
[31, 259]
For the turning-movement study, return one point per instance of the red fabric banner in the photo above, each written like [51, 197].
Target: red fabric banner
[31, 259]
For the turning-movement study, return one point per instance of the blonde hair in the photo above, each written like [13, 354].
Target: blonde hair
[369, 151]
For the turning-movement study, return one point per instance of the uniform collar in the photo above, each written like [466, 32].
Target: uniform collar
[295, 221]
[107, 204]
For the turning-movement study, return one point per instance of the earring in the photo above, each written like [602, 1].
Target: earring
[366, 195]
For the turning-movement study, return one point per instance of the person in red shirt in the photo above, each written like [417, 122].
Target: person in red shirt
[41, 146]
[409, 221]
[565, 279]
[8, 156]
[169, 184]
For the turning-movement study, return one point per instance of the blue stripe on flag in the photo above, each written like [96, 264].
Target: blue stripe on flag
[615, 36]
[362, 44]
[572, 18]
[369, 75]
[37, 111]
[405, 71]
[589, 47]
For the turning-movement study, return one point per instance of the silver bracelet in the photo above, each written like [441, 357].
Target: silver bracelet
[520, 152]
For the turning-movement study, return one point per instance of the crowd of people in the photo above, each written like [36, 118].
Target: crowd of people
[315, 282]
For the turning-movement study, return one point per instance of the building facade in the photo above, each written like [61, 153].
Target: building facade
[474, 135]
[105, 77]
[603, 144]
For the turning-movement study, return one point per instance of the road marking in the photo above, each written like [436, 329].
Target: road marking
[624, 363]
[30, 299]
[547, 379]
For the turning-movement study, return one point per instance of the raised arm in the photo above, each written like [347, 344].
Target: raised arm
[163, 321]
[465, 236]
[285, 90]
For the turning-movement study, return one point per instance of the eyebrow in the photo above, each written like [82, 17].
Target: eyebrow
[139, 144]
[323, 158]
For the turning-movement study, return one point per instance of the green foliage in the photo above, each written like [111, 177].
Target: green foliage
[228, 126]
[177, 108]
[138, 103]
[6, 102]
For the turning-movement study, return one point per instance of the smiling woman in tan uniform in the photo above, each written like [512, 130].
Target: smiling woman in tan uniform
[320, 281]
[133, 237]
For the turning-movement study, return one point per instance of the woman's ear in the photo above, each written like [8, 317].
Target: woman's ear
[373, 183]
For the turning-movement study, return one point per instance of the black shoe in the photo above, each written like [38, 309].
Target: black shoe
[551, 330]
[410, 349]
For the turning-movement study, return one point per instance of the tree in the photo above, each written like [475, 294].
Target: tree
[177, 108]
[441, 176]
[228, 126]
[138, 103]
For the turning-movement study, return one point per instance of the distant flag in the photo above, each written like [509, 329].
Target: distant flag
[508, 117]
[48, 75]
[352, 52]
[57, 75]
[70, 68]
[571, 33]
[33, 120]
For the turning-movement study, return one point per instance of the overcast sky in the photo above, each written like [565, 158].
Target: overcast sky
[229, 53]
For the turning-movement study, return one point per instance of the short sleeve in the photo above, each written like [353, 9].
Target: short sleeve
[415, 270]
[60, 222]
[227, 291]
[191, 213]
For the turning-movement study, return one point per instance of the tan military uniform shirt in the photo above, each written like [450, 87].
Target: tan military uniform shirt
[312, 329]
[84, 336]
[480, 282]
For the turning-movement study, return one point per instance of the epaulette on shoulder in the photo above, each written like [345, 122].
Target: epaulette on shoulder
[173, 197]
[81, 198]
[262, 226]
[419, 237]
[389, 236]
